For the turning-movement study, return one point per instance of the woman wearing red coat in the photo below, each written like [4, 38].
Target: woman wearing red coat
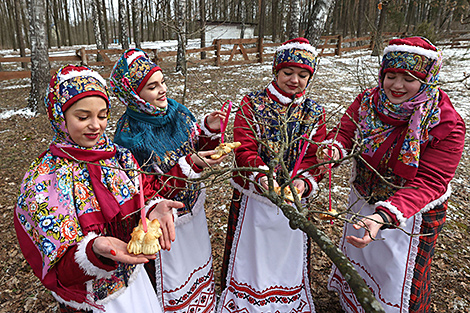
[413, 137]
[265, 261]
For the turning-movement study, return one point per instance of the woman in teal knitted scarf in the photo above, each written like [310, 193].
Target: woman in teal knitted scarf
[164, 137]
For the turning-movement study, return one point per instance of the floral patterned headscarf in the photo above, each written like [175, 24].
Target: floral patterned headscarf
[382, 122]
[71, 190]
[129, 76]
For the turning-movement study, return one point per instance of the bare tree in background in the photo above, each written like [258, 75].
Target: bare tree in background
[19, 32]
[294, 19]
[40, 66]
[103, 23]
[137, 13]
[202, 12]
[317, 21]
[95, 7]
[123, 25]
[378, 39]
[181, 36]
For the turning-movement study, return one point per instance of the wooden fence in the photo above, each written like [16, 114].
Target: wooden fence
[222, 52]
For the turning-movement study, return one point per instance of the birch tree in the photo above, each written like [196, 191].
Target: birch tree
[317, 21]
[181, 36]
[294, 20]
[40, 66]
[19, 32]
[123, 25]
[137, 13]
[202, 12]
[95, 7]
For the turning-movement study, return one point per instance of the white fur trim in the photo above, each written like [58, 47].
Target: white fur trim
[338, 144]
[412, 49]
[135, 55]
[312, 181]
[76, 305]
[186, 168]
[394, 210]
[206, 131]
[282, 99]
[299, 46]
[84, 73]
[156, 201]
[82, 259]
[254, 174]
[431, 205]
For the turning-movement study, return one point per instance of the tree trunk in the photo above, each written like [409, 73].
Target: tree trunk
[19, 32]
[317, 21]
[261, 18]
[181, 34]
[123, 26]
[67, 23]
[275, 20]
[202, 12]
[294, 19]
[136, 12]
[55, 17]
[103, 23]
[40, 67]
[113, 24]
[378, 39]
[95, 7]
[360, 18]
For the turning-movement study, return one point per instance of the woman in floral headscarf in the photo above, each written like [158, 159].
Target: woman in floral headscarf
[265, 261]
[73, 215]
[413, 137]
[164, 137]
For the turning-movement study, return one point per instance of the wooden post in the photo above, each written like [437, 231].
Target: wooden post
[82, 54]
[260, 49]
[155, 56]
[338, 45]
[217, 52]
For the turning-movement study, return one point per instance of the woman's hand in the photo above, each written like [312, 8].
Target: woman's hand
[264, 182]
[300, 185]
[203, 158]
[371, 225]
[163, 211]
[213, 119]
[327, 154]
[116, 250]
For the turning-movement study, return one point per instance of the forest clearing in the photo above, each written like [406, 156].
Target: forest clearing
[24, 136]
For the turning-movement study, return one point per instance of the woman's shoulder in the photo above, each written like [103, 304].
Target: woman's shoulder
[176, 107]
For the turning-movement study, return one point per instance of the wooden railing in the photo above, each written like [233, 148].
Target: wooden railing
[242, 51]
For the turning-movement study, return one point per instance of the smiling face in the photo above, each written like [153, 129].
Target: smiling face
[86, 120]
[400, 87]
[293, 80]
[154, 91]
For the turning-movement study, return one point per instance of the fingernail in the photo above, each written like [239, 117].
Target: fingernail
[113, 252]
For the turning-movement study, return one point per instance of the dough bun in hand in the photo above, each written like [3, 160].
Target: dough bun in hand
[145, 242]
[287, 192]
[225, 148]
[328, 217]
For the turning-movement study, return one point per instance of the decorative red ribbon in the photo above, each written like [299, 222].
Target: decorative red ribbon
[329, 182]
[142, 204]
[223, 123]
[301, 156]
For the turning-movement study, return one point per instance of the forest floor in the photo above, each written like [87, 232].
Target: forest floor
[22, 139]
